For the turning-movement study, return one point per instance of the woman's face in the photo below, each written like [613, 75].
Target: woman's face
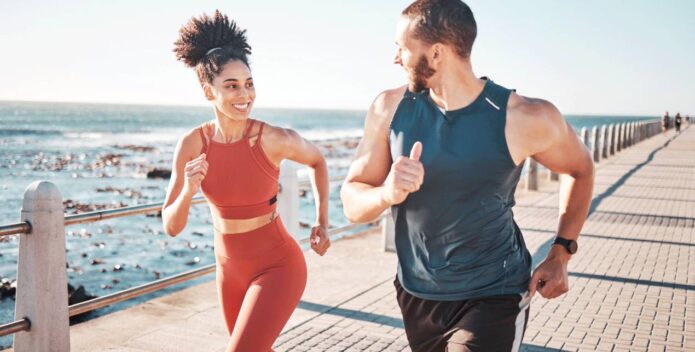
[232, 91]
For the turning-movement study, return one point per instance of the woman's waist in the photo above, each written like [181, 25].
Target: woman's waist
[226, 226]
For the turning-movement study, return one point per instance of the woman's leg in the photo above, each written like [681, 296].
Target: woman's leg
[269, 302]
[231, 289]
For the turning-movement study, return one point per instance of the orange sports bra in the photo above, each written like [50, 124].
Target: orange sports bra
[241, 183]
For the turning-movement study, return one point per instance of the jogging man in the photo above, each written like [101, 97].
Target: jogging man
[445, 153]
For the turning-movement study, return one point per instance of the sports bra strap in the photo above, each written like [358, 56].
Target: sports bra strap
[249, 127]
[204, 131]
[260, 132]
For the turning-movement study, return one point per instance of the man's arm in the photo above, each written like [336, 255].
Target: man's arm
[553, 143]
[374, 182]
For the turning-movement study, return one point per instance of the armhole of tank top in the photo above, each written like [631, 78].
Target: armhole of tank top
[504, 106]
[395, 113]
[203, 139]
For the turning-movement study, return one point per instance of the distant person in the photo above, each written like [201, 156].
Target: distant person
[234, 160]
[677, 122]
[445, 153]
[665, 123]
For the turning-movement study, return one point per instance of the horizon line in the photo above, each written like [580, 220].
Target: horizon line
[278, 108]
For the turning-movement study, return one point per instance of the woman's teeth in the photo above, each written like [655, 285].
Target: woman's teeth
[241, 107]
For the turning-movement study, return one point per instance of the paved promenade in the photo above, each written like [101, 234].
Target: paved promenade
[632, 284]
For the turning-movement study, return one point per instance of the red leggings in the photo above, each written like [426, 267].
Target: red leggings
[261, 275]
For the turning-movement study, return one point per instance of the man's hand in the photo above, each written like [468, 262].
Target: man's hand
[550, 277]
[406, 176]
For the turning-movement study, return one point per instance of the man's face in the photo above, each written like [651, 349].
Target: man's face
[411, 56]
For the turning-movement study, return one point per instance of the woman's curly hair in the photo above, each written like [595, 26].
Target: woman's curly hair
[201, 35]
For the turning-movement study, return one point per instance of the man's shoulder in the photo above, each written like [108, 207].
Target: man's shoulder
[384, 107]
[387, 101]
[533, 113]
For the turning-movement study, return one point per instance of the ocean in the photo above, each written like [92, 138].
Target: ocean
[99, 154]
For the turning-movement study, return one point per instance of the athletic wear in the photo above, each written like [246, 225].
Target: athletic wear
[241, 183]
[486, 324]
[456, 238]
[261, 274]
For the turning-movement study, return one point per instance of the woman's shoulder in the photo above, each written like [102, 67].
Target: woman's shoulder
[191, 142]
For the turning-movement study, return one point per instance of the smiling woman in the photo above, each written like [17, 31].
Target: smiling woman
[261, 272]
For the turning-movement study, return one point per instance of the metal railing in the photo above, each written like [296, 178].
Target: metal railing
[25, 227]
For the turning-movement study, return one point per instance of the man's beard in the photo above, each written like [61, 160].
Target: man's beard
[419, 76]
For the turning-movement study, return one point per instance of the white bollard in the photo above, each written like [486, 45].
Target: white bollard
[42, 286]
[288, 197]
[531, 175]
[388, 231]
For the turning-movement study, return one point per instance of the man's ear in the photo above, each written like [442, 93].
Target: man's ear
[436, 53]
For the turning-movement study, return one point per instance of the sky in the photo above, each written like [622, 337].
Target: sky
[605, 57]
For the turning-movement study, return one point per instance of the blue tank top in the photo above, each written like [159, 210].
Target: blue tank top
[456, 238]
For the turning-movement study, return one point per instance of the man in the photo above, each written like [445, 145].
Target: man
[446, 153]
[665, 123]
[677, 122]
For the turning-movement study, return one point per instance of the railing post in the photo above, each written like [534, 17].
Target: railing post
[553, 176]
[595, 148]
[584, 136]
[604, 142]
[619, 138]
[624, 136]
[288, 198]
[388, 231]
[631, 140]
[531, 175]
[42, 287]
[611, 139]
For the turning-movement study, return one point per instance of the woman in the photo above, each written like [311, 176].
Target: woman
[234, 160]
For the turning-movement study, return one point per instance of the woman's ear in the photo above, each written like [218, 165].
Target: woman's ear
[207, 90]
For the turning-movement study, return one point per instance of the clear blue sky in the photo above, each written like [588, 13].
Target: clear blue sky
[595, 57]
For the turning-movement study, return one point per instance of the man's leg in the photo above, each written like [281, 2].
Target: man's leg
[427, 322]
[490, 324]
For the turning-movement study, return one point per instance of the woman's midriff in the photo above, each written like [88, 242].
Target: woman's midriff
[233, 226]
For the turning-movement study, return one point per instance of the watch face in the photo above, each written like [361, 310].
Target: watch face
[573, 247]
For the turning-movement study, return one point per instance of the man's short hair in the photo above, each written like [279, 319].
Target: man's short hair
[449, 22]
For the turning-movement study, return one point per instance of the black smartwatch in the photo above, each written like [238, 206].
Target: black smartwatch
[569, 245]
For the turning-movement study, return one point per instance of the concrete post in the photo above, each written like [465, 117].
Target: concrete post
[553, 176]
[288, 198]
[619, 138]
[584, 136]
[611, 139]
[604, 141]
[531, 175]
[42, 286]
[595, 147]
[624, 136]
[388, 231]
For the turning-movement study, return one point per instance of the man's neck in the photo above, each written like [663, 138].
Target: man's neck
[458, 86]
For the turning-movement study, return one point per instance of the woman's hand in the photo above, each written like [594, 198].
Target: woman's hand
[195, 172]
[319, 239]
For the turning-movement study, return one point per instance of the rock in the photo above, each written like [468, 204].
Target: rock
[96, 261]
[8, 287]
[159, 173]
[195, 261]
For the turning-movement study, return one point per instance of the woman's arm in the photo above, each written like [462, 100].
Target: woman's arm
[290, 145]
[187, 173]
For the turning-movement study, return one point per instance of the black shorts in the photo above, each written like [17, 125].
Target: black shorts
[487, 324]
